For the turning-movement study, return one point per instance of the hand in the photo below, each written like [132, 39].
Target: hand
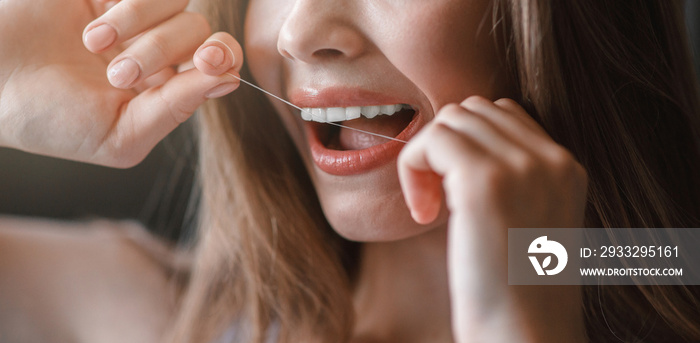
[58, 98]
[498, 169]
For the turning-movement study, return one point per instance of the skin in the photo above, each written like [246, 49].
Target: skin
[378, 51]
[50, 291]
[489, 158]
[486, 162]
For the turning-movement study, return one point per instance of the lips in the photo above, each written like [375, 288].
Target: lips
[348, 151]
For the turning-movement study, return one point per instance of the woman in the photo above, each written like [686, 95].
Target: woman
[606, 137]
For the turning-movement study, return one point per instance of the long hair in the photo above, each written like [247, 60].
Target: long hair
[611, 81]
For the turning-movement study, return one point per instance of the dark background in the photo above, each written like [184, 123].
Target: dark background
[156, 192]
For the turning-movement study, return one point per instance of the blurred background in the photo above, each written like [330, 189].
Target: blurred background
[157, 192]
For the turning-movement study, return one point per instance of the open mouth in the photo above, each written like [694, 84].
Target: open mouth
[385, 120]
[351, 149]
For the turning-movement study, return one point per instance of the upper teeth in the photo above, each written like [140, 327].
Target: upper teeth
[334, 114]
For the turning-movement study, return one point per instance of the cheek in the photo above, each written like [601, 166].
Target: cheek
[447, 52]
[264, 18]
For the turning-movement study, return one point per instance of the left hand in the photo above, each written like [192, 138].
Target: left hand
[498, 169]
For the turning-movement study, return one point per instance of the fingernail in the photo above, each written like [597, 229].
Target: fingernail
[212, 55]
[221, 90]
[100, 37]
[124, 73]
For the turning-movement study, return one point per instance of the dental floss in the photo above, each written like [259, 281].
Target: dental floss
[326, 122]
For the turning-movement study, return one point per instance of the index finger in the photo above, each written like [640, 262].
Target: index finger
[126, 19]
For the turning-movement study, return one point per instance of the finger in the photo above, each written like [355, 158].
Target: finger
[421, 186]
[126, 19]
[167, 44]
[507, 114]
[519, 127]
[218, 54]
[426, 160]
[479, 129]
[156, 79]
[514, 107]
[151, 115]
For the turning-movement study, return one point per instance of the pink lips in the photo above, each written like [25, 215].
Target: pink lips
[340, 97]
[351, 162]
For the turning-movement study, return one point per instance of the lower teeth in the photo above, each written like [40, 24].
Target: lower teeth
[331, 136]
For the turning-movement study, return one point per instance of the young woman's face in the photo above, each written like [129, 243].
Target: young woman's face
[324, 54]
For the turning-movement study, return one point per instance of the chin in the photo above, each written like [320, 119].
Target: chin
[353, 167]
[374, 225]
[368, 207]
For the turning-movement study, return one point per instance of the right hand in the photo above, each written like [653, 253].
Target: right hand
[56, 98]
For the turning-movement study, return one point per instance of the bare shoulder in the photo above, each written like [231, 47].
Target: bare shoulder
[96, 281]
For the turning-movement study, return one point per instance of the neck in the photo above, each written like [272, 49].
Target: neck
[401, 294]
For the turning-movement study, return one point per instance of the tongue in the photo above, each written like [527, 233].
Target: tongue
[389, 126]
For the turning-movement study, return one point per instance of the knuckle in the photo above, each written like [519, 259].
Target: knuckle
[507, 103]
[159, 45]
[474, 100]
[177, 109]
[200, 23]
[476, 123]
[437, 129]
[560, 158]
[449, 108]
[524, 163]
[133, 10]
[452, 113]
[513, 107]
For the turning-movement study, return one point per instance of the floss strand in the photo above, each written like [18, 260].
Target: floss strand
[326, 122]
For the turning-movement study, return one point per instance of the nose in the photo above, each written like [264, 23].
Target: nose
[316, 31]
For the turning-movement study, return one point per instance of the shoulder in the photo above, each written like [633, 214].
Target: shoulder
[82, 282]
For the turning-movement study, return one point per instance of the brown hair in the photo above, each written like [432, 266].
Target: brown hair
[265, 252]
[611, 81]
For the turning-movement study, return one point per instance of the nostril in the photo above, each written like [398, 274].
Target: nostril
[327, 53]
[318, 38]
